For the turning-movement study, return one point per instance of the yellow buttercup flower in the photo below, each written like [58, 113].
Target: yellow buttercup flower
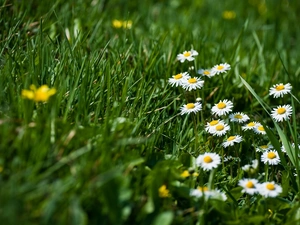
[185, 174]
[41, 94]
[229, 15]
[126, 24]
[163, 192]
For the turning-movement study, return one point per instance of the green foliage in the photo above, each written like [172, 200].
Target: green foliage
[110, 147]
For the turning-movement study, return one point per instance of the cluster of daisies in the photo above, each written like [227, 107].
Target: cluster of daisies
[218, 127]
[281, 112]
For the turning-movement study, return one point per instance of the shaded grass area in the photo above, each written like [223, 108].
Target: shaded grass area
[98, 151]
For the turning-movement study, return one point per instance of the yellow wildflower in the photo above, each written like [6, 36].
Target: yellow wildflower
[185, 174]
[41, 94]
[163, 192]
[126, 24]
[229, 15]
[117, 23]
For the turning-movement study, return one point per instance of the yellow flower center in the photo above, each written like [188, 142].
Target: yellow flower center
[238, 116]
[187, 54]
[207, 159]
[231, 138]
[202, 188]
[271, 155]
[250, 184]
[192, 80]
[280, 87]
[220, 67]
[219, 127]
[261, 128]
[251, 124]
[221, 105]
[206, 72]
[270, 186]
[214, 122]
[178, 76]
[281, 110]
[190, 105]
[264, 146]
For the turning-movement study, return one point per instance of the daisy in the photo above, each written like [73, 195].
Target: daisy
[187, 55]
[271, 157]
[191, 107]
[177, 80]
[259, 129]
[278, 90]
[283, 149]
[220, 129]
[232, 140]
[281, 113]
[238, 117]
[192, 83]
[208, 194]
[206, 72]
[208, 161]
[250, 126]
[251, 168]
[269, 189]
[221, 68]
[293, 146]
[222, 108]
[230, 158]
[249, 186]
[263, 148]
[209, 127]
[199, 192]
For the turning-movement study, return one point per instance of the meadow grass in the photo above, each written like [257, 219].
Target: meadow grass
[109, 146]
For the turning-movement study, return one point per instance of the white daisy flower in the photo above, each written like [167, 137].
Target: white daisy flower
[199, 192]
[208, 161]
[206, 72]
[249, 186]
[221, 68]
[271, 157]
[293, 146]
[278, 90]
[282, 113]
[187, 55]
[269, 189]
[191, 107]
[283, 149]
[259, 129]
[250, 126]
[263, 148]
[192, 83]
[208, 194]
[209, 127]
[251, 167]
[222, 108]
[220, 129]
[230, 158]
[177, 80]
[232, 140]
[238, 117]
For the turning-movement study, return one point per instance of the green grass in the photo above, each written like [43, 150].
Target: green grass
[100, 149]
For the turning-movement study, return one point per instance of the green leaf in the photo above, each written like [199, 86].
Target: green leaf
[164, 218]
